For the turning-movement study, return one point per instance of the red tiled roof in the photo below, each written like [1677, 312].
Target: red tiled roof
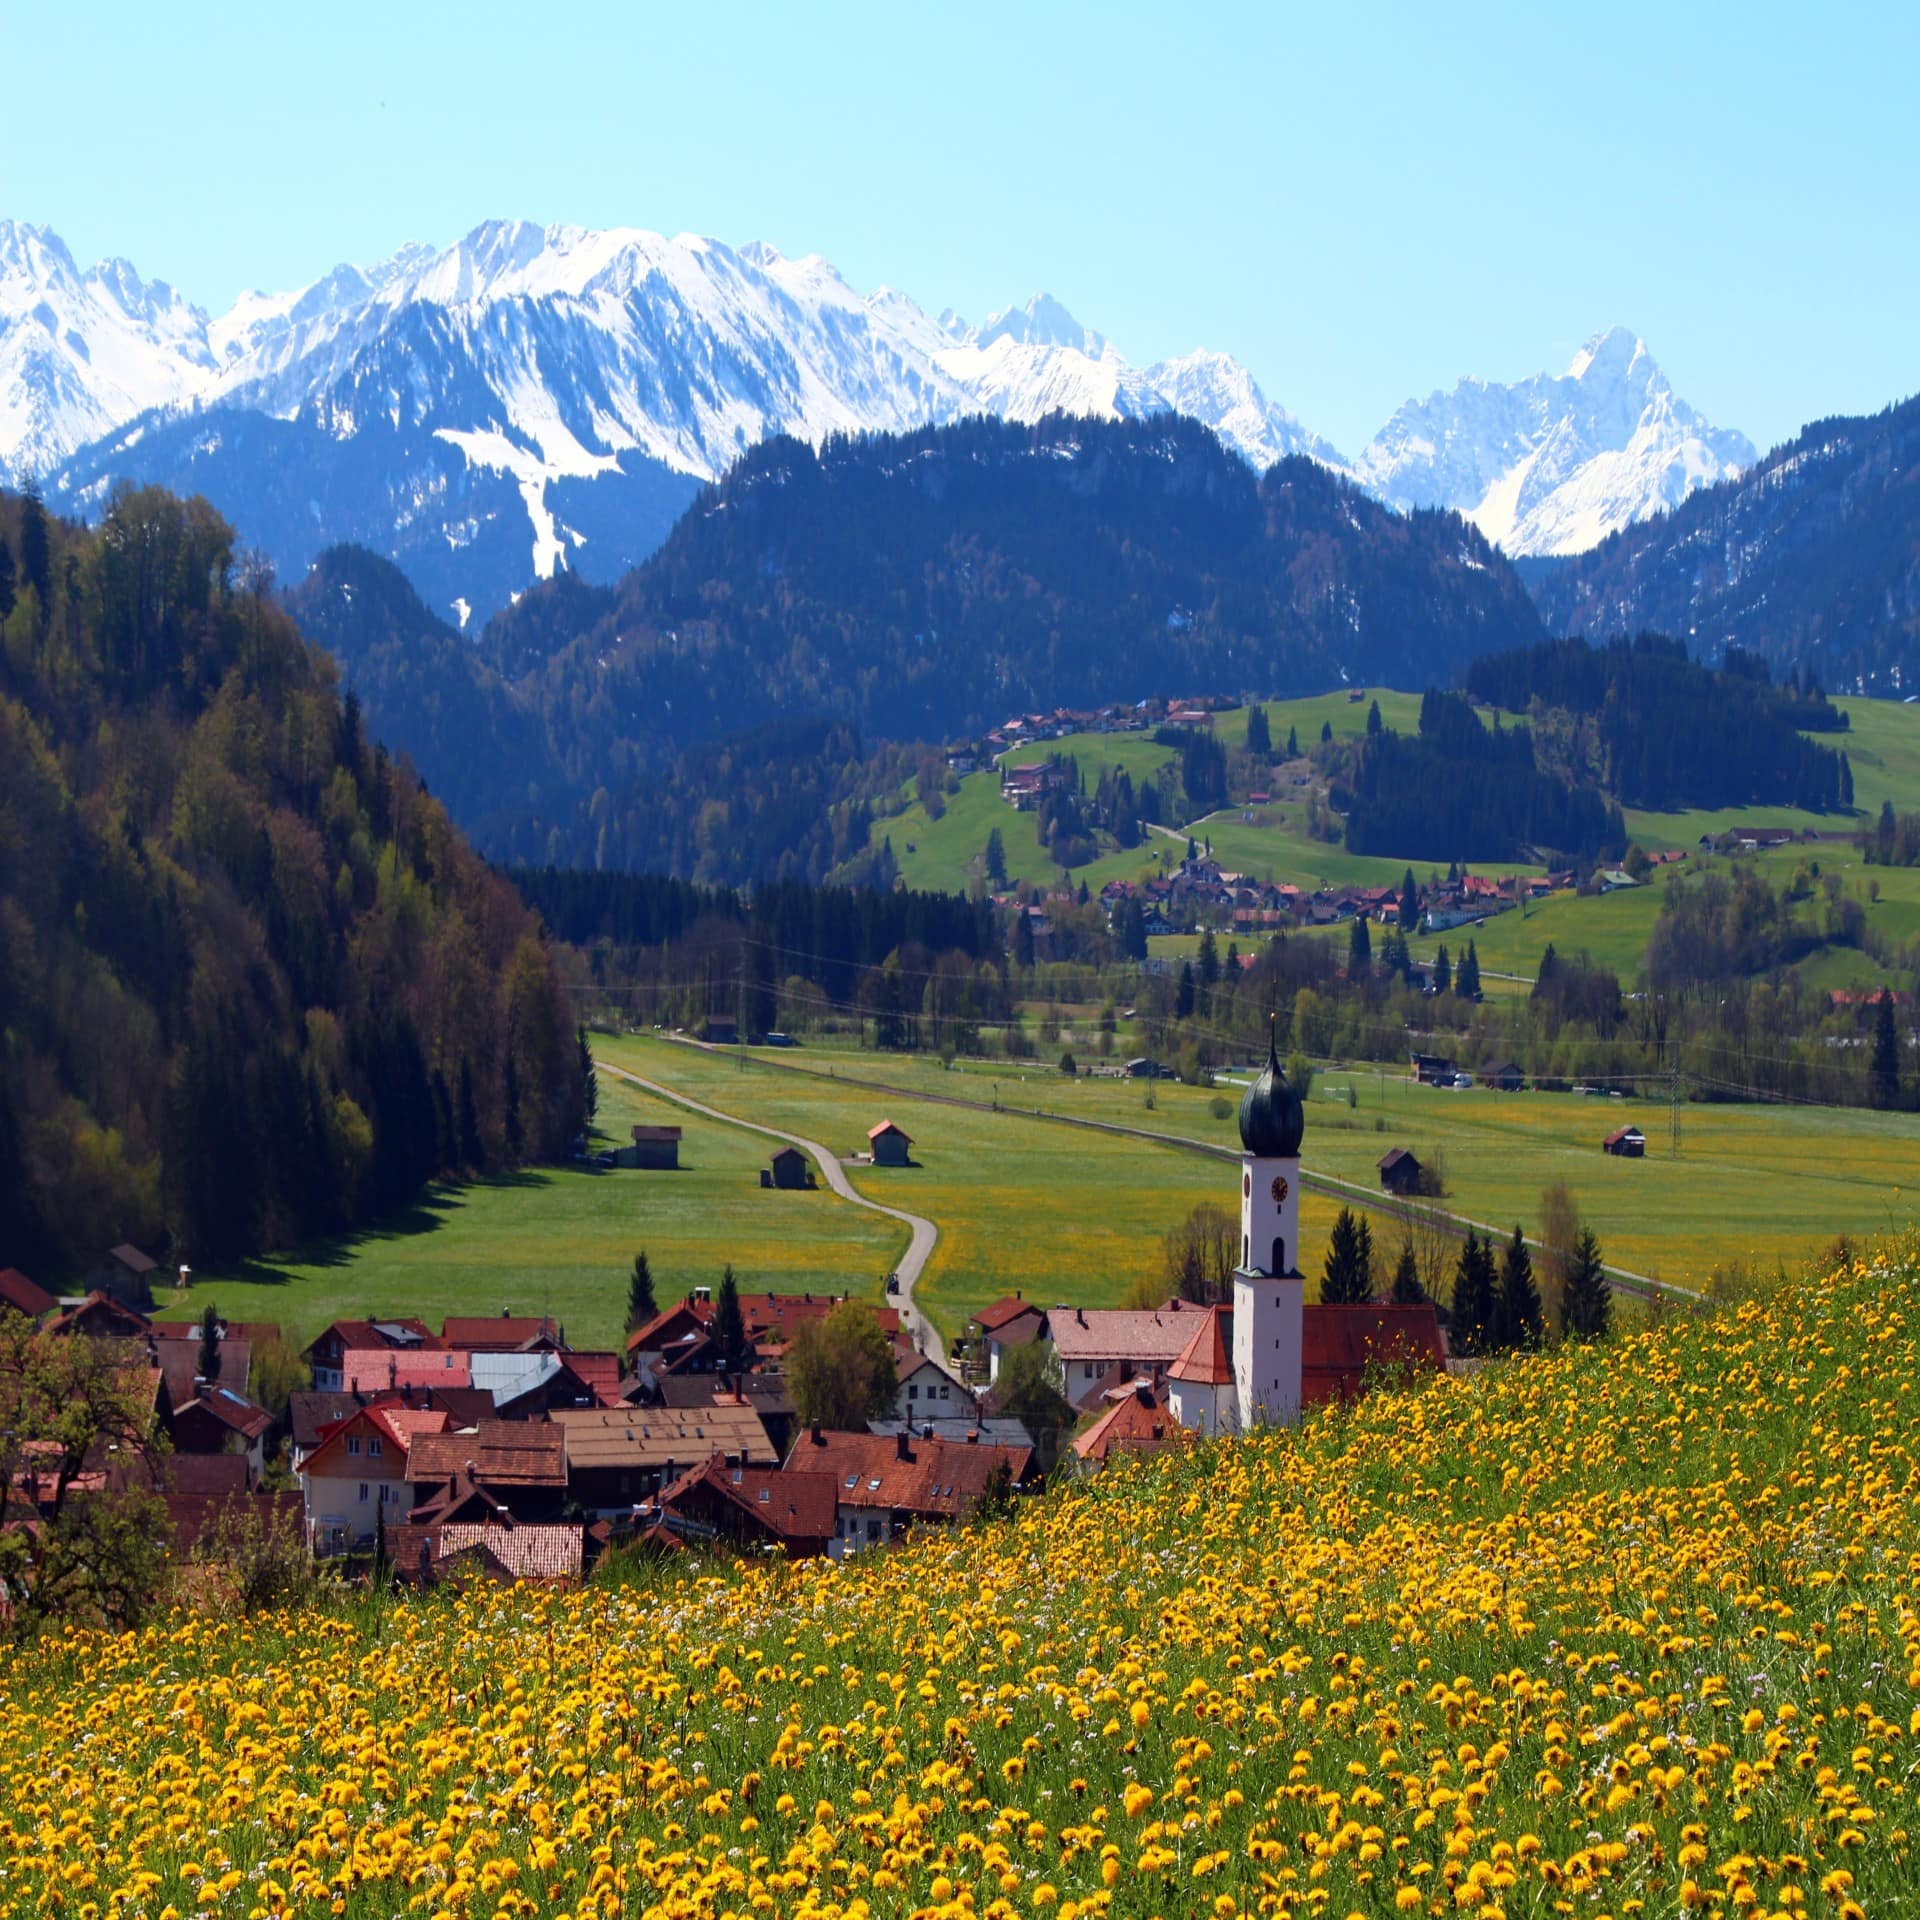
[1204, 1359]
[392, 1422]
[374, 1369]
[599, 1373]
[502, 1453]
[938, 1479]
[1339, 1343]
[790, 1506]
[1147, 1336]
[98, 1306]
[499, 1333]
[24, 1295]
[1008, 1307]
[513, 1552]
[229, 1409]
[1135, 1423]
[366, 1333]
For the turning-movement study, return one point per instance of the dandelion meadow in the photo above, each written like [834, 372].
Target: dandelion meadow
[1613, 1631]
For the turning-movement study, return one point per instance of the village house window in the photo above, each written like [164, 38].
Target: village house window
[353, 1443]
[913, 1393]
[374, 1448]
[363, 1492]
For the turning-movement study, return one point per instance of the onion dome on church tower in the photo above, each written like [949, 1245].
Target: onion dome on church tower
[1271, 1117]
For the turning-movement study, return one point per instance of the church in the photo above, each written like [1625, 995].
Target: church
[1264, 1359]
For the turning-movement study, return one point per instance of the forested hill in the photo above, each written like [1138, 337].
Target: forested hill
[926, 585]
[719, 714]
[1810, 559]
[253, 983]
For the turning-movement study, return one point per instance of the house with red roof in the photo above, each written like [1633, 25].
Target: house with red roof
[725, 1503]
[1200, 1383]
[24, 1295]
[1135, 1421]
[395, 1370]
[496, 1550]
[326, 1353]
[355, 1481]
[885, 1484]
[1008, 1323]
[503, 1332]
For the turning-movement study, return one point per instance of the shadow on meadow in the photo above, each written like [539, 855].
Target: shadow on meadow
[436, 1208]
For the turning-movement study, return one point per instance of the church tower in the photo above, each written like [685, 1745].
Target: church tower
[1267, 1288]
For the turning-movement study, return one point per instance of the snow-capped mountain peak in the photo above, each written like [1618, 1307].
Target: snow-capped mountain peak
[82, 352]
[1042, 322]
[1555, 464]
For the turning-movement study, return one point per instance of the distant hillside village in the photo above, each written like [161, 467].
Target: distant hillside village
[493, 1446]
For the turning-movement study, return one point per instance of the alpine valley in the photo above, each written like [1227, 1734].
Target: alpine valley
[535, 398]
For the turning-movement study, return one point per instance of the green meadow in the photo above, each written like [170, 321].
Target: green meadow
[561, 1240]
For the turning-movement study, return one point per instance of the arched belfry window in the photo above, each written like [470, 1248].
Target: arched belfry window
[1279, 1257]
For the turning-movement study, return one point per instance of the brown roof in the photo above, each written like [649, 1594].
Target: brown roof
[655, 1136]
[1147, 1336]
[888, 1126]
[1390, 1160]
[1008, 1307]
[498, 1333]
[1204, 1359]
[375, 1333]
[511, 1552]
[655, 1437]
[790, 1506]
[1622, 1133]
[1135, 1423]
[1339, 1343]
[502, 1453]
[132, 1258]
[194, 1518]
[227, 1408]
[100, 1313]
[180, 1362]
[24, 1295]
[935, 1479]
[200, 1475]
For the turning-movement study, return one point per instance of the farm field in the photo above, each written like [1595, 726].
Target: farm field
[561, 1240]
[1783, 1182]
[1623, 1629]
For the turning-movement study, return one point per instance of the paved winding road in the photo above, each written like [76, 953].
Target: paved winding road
[919, 1329]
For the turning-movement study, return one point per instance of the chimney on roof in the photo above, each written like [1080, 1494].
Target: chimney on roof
[973, 1436]
[902, 1451]
[506, 1313]
[816, 1433]
[1080, 1314]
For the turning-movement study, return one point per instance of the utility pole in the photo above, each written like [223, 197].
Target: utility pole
[1673, 1109]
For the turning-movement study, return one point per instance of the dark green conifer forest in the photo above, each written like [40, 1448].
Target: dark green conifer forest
[254, 986]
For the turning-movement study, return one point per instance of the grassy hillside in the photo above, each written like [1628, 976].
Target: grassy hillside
[1622, 1630]
[1020, 1202]
[561, 1240]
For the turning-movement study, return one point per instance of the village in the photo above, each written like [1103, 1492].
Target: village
[492, 1446]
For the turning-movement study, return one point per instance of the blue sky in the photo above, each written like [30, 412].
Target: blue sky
[1363, 202]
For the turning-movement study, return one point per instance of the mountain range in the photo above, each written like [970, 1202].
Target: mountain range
[538, 397]
[1810, 559]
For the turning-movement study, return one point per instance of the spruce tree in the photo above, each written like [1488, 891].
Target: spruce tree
[1467, 986]
[1326, 732]
[1259, 734]
[1409, 903]
[729, 1329]
[1183, 996]
[1374, 723]
[516, 1137]
[1586, 1300]
[1407, 1290]
[1022, 939]
[1517, 1313]
[1359, 949]
[1473, 1304]
[1293, 744]
[589, 1082]
[6, 578]
[996, 859]
[1346, 1280]
[36, 553]
[1442, 972]
[641, 1305]
[207, 1363]
[1885, 1066]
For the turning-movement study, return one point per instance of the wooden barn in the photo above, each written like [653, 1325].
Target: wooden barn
[654, 1149]
[890, 1145]
[788, 1171]
[1400, 1172]
[1627, 1143]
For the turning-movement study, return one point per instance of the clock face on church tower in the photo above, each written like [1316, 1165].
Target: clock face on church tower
[1279, 1190]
